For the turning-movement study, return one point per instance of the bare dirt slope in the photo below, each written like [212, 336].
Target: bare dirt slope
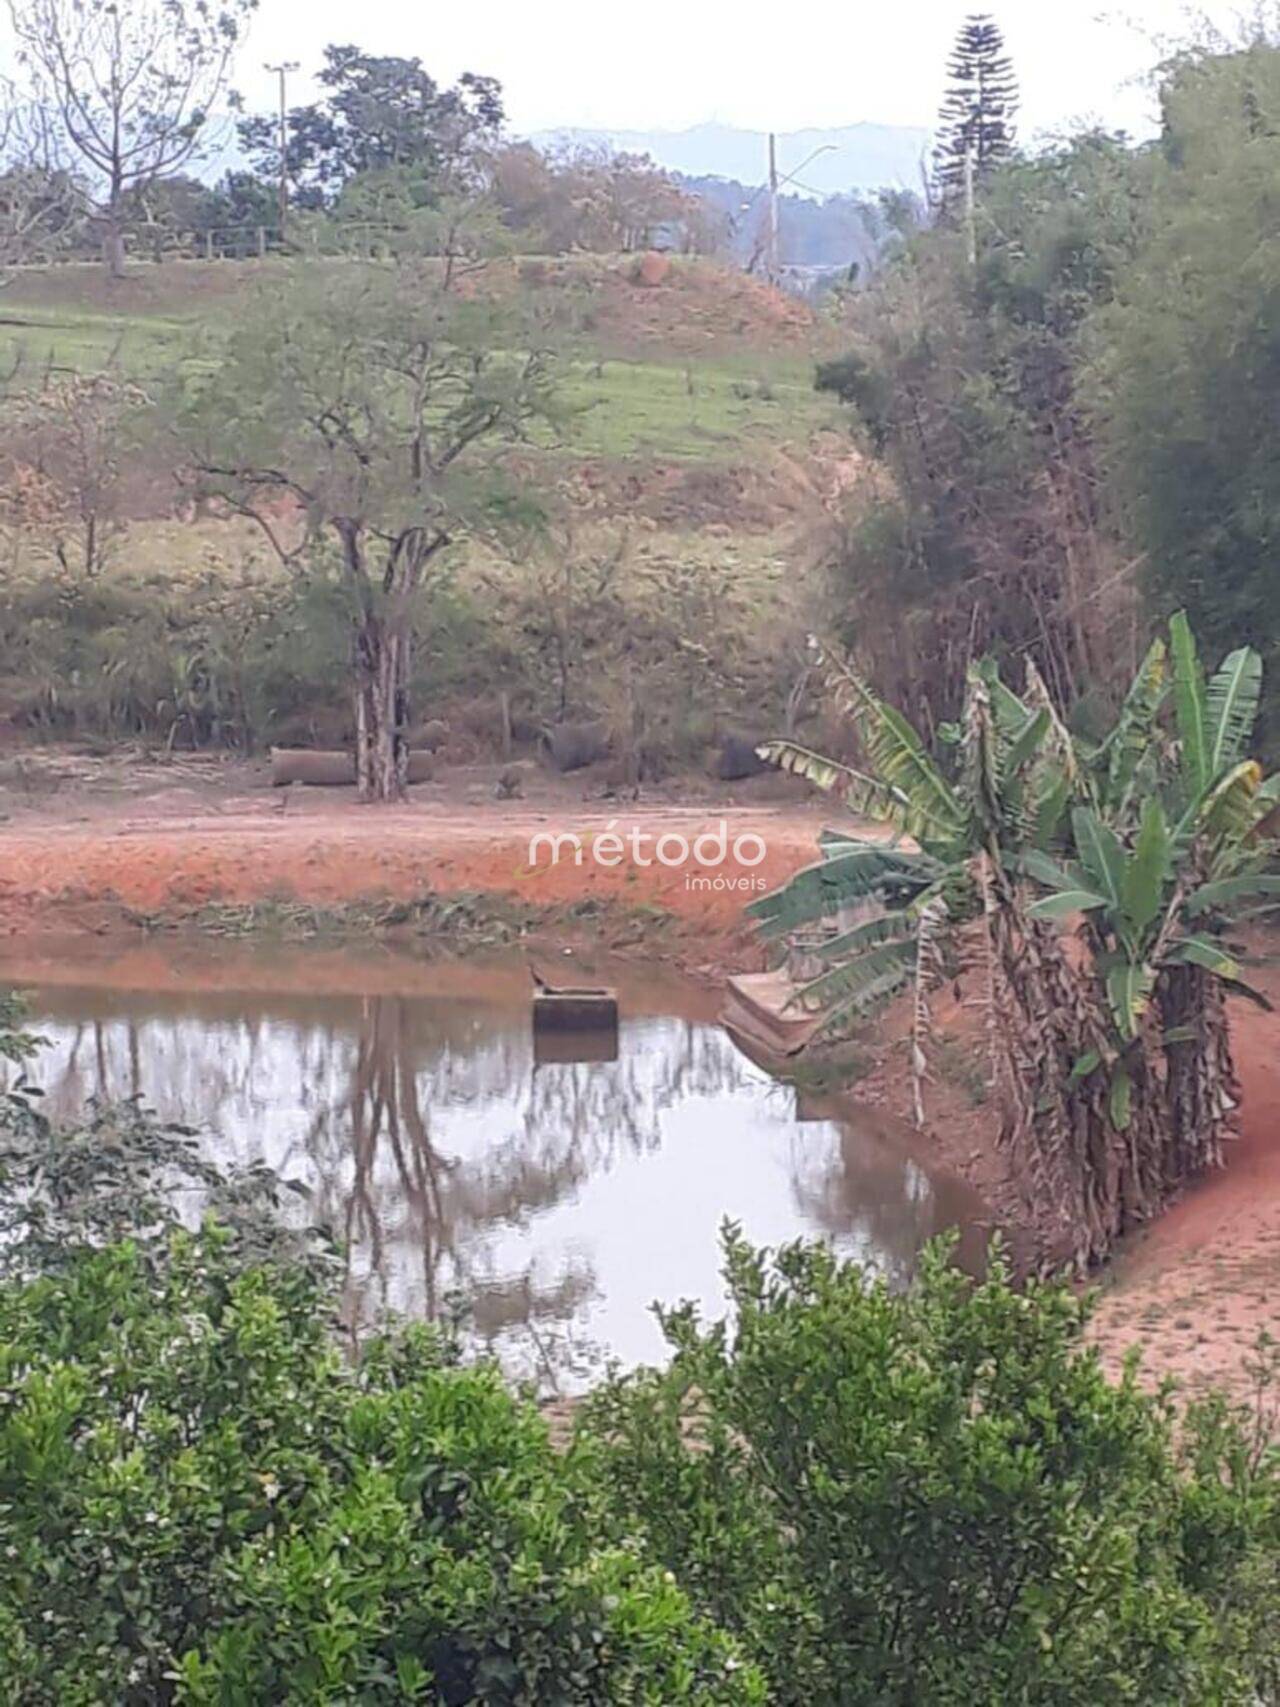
[1196, 1291]
[77, 835]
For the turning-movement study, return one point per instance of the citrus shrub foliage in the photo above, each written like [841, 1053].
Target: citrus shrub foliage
[937, 1497]
[849, 1496]
[201, 1501]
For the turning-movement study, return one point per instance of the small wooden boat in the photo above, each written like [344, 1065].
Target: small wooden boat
[761, 1012]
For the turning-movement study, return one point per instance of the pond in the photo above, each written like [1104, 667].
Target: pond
[559, 1199]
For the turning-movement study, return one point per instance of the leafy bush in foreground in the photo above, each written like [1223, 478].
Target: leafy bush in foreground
[936, 1497]
[199, 1501]
[848, 1497]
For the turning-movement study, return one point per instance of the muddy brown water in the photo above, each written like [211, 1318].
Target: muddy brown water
[560, 1200]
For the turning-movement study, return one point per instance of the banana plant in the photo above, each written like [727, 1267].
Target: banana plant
[1159, 875]
[886, 907]
[919, 830]
[1143, 848]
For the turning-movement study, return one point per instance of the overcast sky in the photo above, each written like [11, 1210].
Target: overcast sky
[665, 64]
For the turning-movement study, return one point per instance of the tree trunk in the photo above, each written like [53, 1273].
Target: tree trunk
[382, 711]
[1062, 1145]
[383, 653]
[1202, 1091]
[113, 251]
[1088, 1179]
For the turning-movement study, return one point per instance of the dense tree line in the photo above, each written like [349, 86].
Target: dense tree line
[384, 147]
[1182, 373]
[1072, 431]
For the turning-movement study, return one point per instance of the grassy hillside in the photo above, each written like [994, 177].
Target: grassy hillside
[669, 588]
[694, 368]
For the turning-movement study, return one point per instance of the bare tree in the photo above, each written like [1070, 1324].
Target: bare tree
[131, 84]
[40, 201]
[75, 432]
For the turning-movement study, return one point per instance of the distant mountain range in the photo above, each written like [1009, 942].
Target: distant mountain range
[857, 157]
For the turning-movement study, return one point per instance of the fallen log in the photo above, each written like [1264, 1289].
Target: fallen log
[313, 766]
[316, 767]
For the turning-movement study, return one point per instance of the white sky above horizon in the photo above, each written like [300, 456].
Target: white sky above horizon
[668, 64]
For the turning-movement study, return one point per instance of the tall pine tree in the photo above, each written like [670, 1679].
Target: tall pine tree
[977, 112]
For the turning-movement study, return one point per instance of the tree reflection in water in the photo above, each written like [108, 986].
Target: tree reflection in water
[884, 1195]
[556, 1200]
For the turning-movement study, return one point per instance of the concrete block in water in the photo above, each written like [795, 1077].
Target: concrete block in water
[575, 1010]
[574, 1025]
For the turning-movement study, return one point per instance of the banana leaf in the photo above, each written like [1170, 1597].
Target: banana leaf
[1231, 705]
[1190, 709]
[818, 891]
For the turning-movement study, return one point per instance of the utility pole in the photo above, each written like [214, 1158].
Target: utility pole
[772, 187]
[282, 71]
[773, 209]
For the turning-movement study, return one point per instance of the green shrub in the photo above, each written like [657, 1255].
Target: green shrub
[200, 1501]
[848, 1496]
[936, 1497]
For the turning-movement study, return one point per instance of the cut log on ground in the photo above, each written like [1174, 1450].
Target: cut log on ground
[322, 768]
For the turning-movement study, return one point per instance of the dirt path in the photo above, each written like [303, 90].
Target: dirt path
[1193, 1292]
[1198, 1288]
[76, 833]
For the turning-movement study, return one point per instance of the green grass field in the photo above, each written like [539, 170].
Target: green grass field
[702, 407]
[695, 411]
[34, 339]
[678, 466]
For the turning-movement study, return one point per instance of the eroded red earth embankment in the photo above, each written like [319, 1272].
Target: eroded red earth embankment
[325, 858]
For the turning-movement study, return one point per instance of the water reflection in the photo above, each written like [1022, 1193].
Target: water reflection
[558, 1199]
